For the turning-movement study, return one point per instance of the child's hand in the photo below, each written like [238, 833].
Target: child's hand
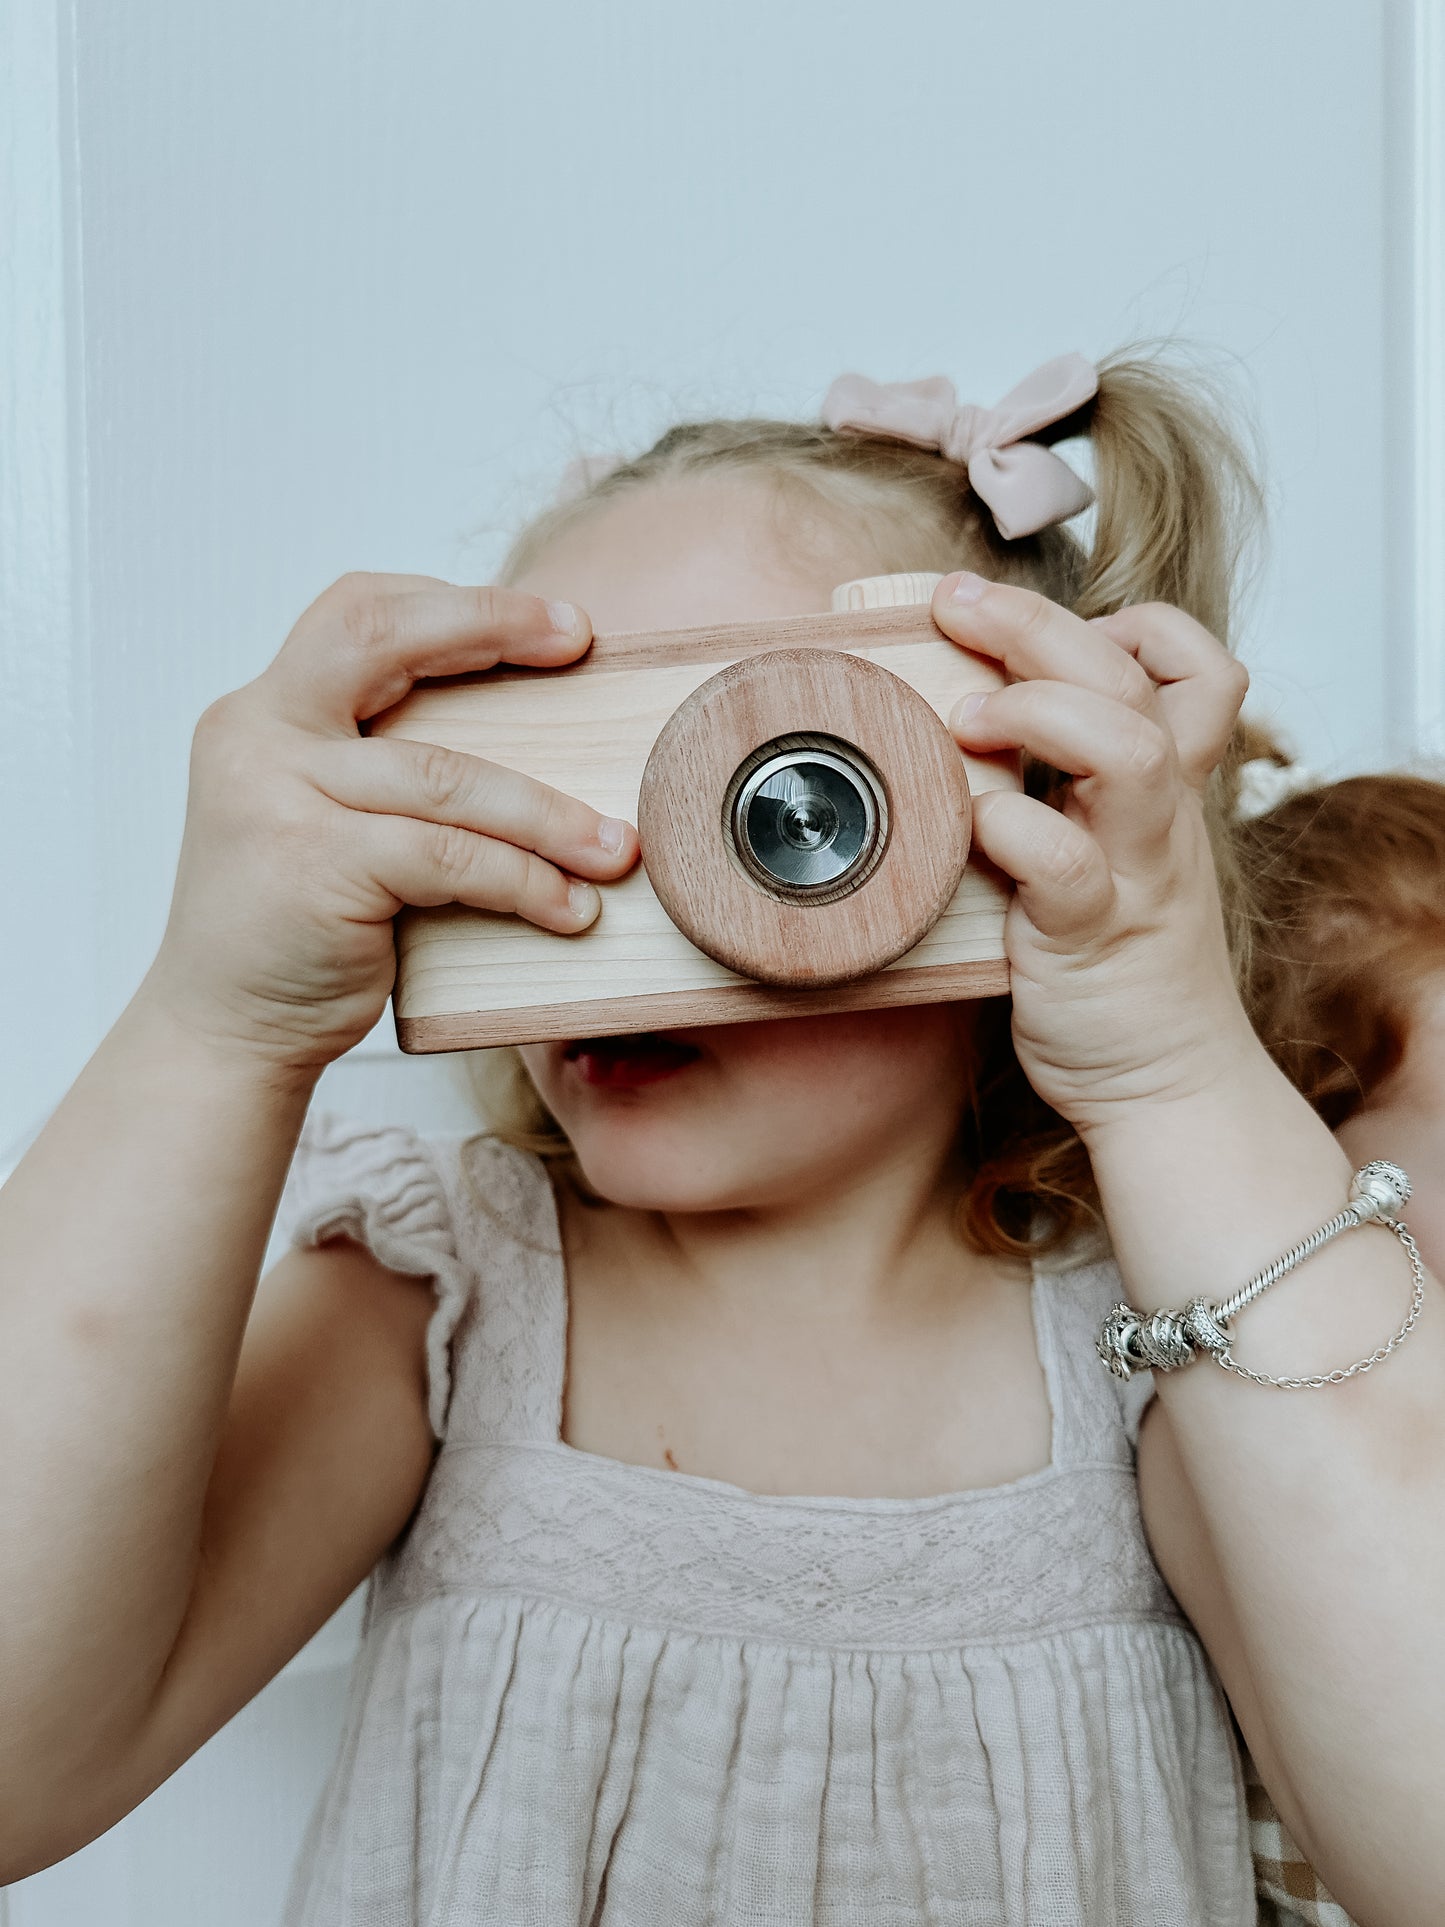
[1122, 987]
[304, 838]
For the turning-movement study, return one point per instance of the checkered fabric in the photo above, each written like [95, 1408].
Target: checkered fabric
[1289, 1889]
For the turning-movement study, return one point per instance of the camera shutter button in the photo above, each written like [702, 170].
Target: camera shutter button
[885, 592]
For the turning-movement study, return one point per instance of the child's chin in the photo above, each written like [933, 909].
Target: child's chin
[639, 1191]
[662, 1183]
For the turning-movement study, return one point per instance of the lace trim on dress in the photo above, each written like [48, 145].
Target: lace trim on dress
[1059, 1549]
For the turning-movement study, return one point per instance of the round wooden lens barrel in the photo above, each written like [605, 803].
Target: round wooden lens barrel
[804, 817]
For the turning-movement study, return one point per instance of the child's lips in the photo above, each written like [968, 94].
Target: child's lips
[627, 1063]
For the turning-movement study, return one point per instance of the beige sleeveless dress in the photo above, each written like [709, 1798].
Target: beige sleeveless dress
[595, 1693]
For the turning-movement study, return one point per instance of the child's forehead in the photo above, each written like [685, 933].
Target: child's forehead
[678, 554]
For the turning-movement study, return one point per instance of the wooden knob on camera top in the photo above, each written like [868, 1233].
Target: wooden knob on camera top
[885, 591]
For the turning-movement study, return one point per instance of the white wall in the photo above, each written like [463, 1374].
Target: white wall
[297, 288]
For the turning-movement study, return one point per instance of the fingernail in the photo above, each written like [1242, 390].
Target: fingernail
[583, 901]
[564, 618]
[610, 832]
[969, 707]
[968, 588]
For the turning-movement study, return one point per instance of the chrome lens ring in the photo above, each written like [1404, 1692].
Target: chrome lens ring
[807, 818]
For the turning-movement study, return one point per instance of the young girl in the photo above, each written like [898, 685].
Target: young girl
[784, 1557]
[1348, 973]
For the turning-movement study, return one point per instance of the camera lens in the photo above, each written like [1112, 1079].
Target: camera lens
[806, 819]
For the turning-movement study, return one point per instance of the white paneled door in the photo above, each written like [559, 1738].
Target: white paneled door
[290, 290]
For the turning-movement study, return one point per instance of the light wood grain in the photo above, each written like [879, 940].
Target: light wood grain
[590, 734]
[861, 626]
[730, 1003]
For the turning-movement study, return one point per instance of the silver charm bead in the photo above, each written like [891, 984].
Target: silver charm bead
[1204, 1327]
[1378, 1190]
[1166, 1341]
[1159, 1341]
[1115, 1343]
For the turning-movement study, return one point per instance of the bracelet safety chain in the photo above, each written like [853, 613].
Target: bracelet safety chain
[1132, 1341]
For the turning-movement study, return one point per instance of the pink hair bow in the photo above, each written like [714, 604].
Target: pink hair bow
[1024, 483]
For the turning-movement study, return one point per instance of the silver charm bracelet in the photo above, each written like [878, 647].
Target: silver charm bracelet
[1132, 1341]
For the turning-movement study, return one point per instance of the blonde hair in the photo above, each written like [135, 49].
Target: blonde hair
[1177, 506]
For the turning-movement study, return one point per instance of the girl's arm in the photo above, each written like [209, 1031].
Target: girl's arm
[1304, 1530]
[132, 1232]
[167, 1543]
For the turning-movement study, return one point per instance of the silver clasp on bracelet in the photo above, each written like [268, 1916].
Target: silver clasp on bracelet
[1132, 1341]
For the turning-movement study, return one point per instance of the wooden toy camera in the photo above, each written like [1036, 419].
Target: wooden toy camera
[803, 811]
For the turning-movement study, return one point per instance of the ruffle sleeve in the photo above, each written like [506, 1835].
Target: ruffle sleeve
[383, 1186]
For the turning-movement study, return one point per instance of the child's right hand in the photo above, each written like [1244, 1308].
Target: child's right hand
[304, 837]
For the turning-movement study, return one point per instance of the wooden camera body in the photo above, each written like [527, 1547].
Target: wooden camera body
[804, 816]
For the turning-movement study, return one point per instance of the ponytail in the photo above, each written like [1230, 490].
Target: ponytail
[1178, 504]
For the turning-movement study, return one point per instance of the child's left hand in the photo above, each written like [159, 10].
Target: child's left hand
[1122, 988]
